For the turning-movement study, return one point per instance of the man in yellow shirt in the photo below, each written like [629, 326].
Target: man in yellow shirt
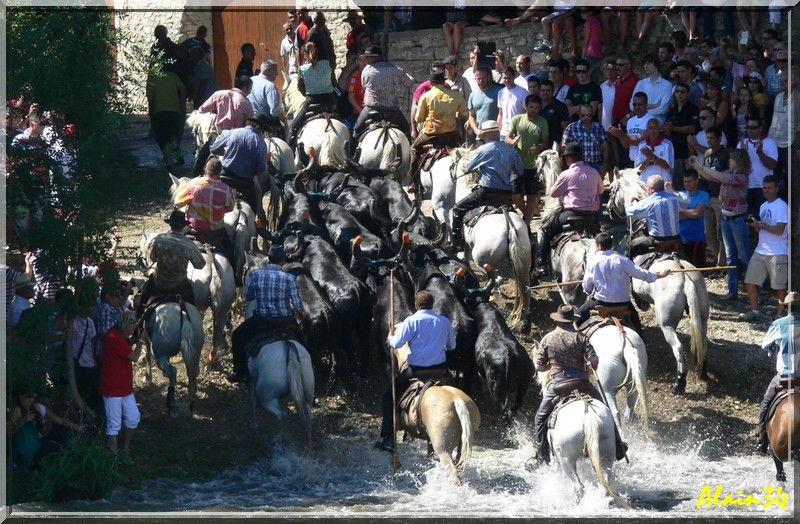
[440, 111]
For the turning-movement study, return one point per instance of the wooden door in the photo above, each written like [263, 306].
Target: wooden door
[234, 26]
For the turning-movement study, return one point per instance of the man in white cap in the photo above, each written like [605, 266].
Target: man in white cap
[784, 335]
[501, 170]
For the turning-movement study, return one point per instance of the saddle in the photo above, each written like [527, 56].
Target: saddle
[568, 397]
[416, 390]
[209, 238]
[583, 224]
[559, 241]
[787, 387]
[594, 323]
[473, 215]
[641, 242]
[266, 335]
[431, 154]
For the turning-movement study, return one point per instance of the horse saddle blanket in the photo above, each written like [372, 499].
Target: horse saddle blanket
[254, 345]
[410, 399]
[473, 215]
[594, 323]
[560, 240]
[565, 400]
[783, 392]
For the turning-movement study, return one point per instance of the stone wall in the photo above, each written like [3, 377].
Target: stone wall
[136, 25]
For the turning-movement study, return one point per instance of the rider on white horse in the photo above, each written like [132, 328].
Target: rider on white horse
[661, 208]
[384, 84]
[171, 252]
[277, 299]
[501, 171]
[607, 281]
[315, 81]
[784, 334]
[207, 200]
[440, 111]
[429, 335]
[581, 188]
[564, 352]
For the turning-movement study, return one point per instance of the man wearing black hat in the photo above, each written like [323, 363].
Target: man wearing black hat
[564, 352]
[245, 160]
[277, 299]
[581, 187]
[171, 252]
[441, 112]
[384, 84]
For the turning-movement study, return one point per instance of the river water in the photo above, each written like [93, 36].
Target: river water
[347, 478]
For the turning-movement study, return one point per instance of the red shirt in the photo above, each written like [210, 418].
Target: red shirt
[623, 92]
[354, 86]
[301, 34]
[116, 371]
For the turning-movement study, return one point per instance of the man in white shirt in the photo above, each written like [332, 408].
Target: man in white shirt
[523, 65]
[698, 144]
[771, 256]
[510, 101]
[657, 88]
[785, 117]
[635, 126]
[608, 88]
[288, 52]
[22, 287]
[763, 153]
[655, 154]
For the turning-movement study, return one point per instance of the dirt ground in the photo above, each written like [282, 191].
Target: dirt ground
[725, 407]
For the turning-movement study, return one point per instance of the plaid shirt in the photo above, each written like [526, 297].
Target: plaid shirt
[275, 292]
[773, 75]
[104, 319]
[384, 84]
[591, 140]
[208, 201]
[232, 107]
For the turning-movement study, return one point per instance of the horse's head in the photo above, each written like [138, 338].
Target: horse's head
[626, 187]
[145, 243]
[549, 165]
[176, 183]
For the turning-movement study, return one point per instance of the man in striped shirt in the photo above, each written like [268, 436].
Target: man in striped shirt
[661, 209]
[384, 86]
[277, 298]
[207, 200]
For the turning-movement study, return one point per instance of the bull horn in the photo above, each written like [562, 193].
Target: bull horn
[338, 191]
[441, 238]
[355, 250]
[411, 218]
[298, 253]
[298, 184]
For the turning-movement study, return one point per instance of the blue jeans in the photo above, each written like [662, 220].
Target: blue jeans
[736, 236]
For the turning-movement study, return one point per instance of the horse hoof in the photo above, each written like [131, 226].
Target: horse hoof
[678, 388]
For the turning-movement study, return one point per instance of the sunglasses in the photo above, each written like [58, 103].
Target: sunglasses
[582, 71]
[753, 127]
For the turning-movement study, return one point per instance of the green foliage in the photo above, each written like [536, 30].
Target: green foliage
[85, 470]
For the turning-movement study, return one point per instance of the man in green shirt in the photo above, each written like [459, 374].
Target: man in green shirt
[530, 135]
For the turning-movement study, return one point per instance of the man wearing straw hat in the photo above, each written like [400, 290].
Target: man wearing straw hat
[22, 287]
[785, 334]
[564, 352]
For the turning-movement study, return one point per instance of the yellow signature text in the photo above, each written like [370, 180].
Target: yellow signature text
[771, 497]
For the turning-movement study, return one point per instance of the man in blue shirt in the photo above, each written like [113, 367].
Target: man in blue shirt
[428, 335]
[607, 281]
[482, 103]
[266, 99]
[661, 209]
[692, 219]
[785, 334]
[501, 170]
[277, 299]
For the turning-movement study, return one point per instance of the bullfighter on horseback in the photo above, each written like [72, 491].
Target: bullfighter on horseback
[207, 200]
[564, 352]
[501, 170]
[171, 252]
[428, 335]
[607, 281]
[277, 298]
[785, 334]
[581, 187]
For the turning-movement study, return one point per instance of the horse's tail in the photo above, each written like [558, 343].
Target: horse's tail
[295, 370]
[467, 431]
[190, 350]
[332, 151]
[520, 263]
[698, 342]
[637, 373]
[389, 151]
[591, 431]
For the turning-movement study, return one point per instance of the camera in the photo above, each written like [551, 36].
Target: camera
[38, 420]
[750, 219]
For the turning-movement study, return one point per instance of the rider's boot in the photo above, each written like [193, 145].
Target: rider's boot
[542, 457]
[763, 441]
[456, 239]
[621, 446]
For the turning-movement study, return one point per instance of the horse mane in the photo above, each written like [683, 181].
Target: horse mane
[548, 166]
[626, 186]
[461, 157]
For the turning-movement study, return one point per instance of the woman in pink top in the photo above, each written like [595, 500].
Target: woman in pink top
[592, 37]
[733, 201]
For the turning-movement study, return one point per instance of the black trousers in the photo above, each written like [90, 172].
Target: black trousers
[401, 382]
[327, 100]
[480, 196]
[247, 329]
[592, 302]
[769, 396]
[557, 226]
[389, 114]
[545, 409]
[149, 288]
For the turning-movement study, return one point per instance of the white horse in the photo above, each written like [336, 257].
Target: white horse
[672, 295]
[382, 146]
[329, 139]
[279, 155]
[170, 331]
[622, 365]
[202, 125]
[213, 287]
[439, 184]
[293, 99]
[281, 369]
[485, 244]
[586, 426]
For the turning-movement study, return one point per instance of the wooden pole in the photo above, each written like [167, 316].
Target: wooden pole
[715, 268]
[575, 282]
[394, 372]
